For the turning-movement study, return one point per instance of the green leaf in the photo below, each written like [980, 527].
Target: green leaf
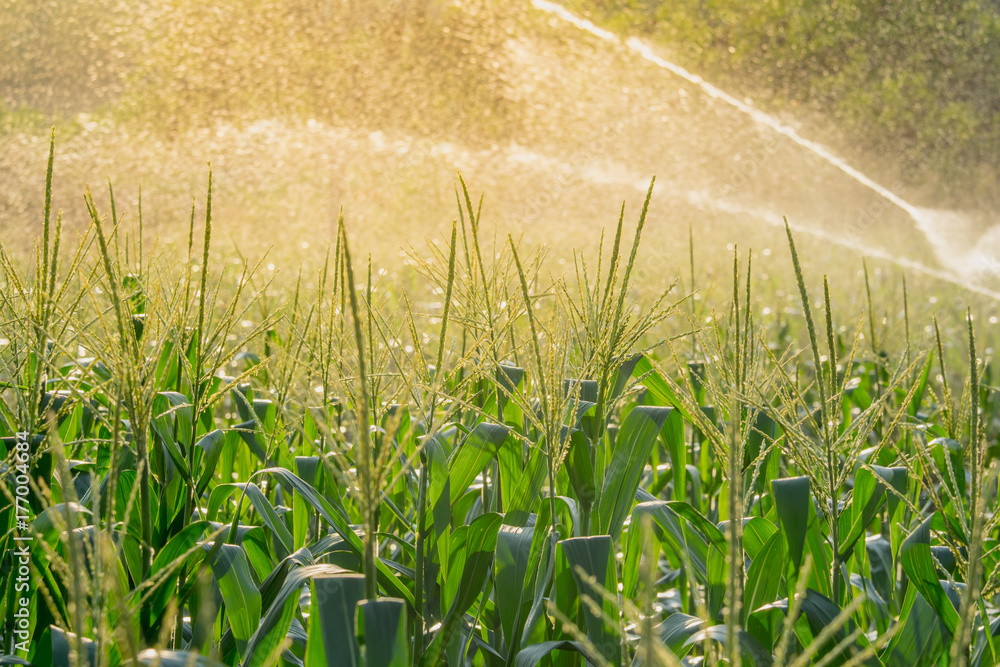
[672, 434]
[529, 483]
[211, 444]
[868, 498]
[715, 589]
[172, 414]
[475, 452]
[921, 640]
[53, 521]
[819, 612]
[530, 656]
[580, 468]
[384, 628]
[274, 626]
[634, 443]
[590, 558]
[336, 519]
[883, 576]
[915, 555]
[270, 518]
[678, 535]
[13, 660]
[471, 554]
[232, 572]
[793, 505]
[756, 532]
[650, 377]
[510, 379]
[764, 575]
[676, 629]
[332, 639]
[511, 463]
[750, 649]
[248, 433]
[513, 586]
[922, 383]
[57, 645]
[626, 371]
[470, 562]
[170, 560]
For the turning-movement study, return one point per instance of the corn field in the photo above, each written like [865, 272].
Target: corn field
[523, 471]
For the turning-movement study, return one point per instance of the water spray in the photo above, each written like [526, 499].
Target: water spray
[934, 225]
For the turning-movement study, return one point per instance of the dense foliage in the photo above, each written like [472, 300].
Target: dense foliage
[520, 477]
[915, 81]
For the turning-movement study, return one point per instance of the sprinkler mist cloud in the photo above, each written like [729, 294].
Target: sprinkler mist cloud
[967, 262]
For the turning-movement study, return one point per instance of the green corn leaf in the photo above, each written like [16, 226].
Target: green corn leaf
[580, 468]
[591, 558]
[332, 639]
[335, 518]
[915, 555]
[756, 532]
[232, 572]
[513, 587]
[676, 629]
[819, 613]
[532, 655]
[638, 541]
[672, 434]
[686, 535]
[384, 628]
[750, 649]
[634, 442]
[172, 558]
[764, 575]
[14, 660]
[475, 452]
[868, 498]
[794, 506]
[211, 444]
[274, 625]
[510, 380]
[470, 562]
[511, 459]
[650, 377]
[57, 646]
[922, 639]
[270, 518]
[529, 482]
[922, 384]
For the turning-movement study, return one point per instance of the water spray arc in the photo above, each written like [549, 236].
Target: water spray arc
[933, 224]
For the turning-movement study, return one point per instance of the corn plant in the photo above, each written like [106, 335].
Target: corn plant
[502, 466]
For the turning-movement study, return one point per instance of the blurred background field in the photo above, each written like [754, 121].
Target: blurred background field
[307, 106]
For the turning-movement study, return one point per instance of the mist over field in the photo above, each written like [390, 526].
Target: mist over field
[303, 107]
[499, 333]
